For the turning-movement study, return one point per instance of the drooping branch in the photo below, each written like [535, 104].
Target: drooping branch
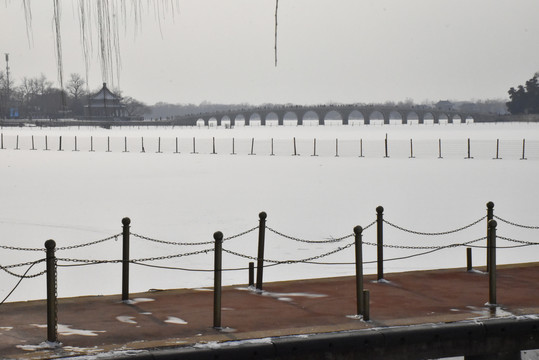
[108, 16]
[58, 42]
[276, 13]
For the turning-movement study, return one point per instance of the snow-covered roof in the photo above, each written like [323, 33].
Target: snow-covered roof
[105, 94]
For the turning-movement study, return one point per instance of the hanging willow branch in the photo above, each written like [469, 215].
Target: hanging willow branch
[107, 16]
[276, 12]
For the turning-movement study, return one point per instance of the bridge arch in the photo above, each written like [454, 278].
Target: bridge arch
[442, 117]
[331, 115]
[411, 116]
[376, 115]
[224, 119]
[428, 116]
[395, 116]
[253, 117]
[310, 116]
[240, 118]
[212, 121]
[290, 116]
[272, 117]
[356, 117]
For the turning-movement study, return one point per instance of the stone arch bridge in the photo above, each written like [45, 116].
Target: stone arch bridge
[322, 113]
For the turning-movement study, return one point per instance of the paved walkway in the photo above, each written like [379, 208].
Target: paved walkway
[89, 325]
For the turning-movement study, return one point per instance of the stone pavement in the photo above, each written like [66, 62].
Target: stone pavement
[172, 318]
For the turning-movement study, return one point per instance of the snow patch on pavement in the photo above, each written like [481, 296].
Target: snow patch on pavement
[137, 301]
[126, 319]
[175, 320]
[46, 345]
[66, 330]
[281, 296]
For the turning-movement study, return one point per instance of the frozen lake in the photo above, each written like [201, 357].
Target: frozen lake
[76, 197]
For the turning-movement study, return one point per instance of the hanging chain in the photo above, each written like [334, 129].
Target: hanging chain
[317, 241]
[515, 224]
[5, 268]
[518, 241]
[115, 237]
[192, 243]
[436, 233]
[290, 261]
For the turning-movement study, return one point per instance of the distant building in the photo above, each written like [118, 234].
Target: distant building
[105, 104]
[444, 105]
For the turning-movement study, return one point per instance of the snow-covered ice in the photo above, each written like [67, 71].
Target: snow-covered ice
[75, 197]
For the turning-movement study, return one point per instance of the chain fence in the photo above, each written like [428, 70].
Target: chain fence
[266, 262]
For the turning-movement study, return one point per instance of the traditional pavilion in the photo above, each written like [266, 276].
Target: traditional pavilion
[105, 104]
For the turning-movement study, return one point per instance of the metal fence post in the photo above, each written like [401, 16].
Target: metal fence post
[469, 266]
[52, 301]
[366, 305]
[260, 258]
[523, 150]
[218, 264]
[251, 274]
[492, 273]
[380, 241]
[411, 149]
[490, 216]
[497, 150]
[125, 259]
[358, 230]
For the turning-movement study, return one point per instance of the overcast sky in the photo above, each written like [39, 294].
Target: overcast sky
[328, 50]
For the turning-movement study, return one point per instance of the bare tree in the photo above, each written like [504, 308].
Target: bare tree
[75, 86]
[135, 107]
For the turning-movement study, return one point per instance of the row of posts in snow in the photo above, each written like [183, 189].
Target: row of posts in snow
[60, 146]
[362, 295]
